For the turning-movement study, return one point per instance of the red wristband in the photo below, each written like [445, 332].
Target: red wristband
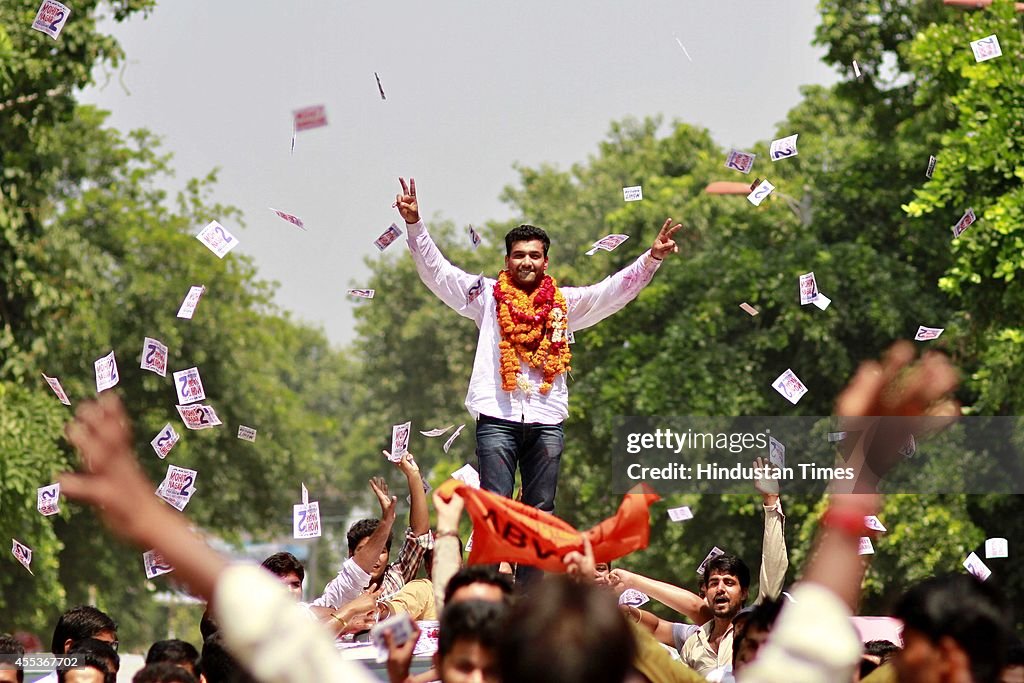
[847, 521]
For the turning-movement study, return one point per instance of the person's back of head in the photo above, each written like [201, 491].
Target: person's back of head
[467, 642]
[163, 672]
[175, 652]
[481, 582]
[876, 653]
[13, 649]
[946, 614]
[89, 668]
[78, 623]
[218, 664]
[99, 649]
[567, 632]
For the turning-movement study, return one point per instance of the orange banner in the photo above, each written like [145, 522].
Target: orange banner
[507, 531]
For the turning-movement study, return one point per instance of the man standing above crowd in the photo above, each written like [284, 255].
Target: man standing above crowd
[517, 391]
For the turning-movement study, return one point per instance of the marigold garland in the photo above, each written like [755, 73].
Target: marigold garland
[529, 323]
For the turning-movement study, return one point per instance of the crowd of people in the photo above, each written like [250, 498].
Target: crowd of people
[562, 628]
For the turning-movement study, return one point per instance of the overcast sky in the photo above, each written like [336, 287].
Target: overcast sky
[472, 88]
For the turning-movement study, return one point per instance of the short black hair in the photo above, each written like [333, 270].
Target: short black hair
[283, 564]
[163, 672]
[567, 632]
[218, 664]
[477, 621]
[479, 573]
[100, 649]
[525, 233]
[884, 649]
[85, 660]
[83, 621]
[9, 645]
[364, 528]
[728, 564]
[761, 616]
[961, 607]
[176, 652]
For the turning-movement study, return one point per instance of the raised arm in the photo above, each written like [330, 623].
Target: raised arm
[262, 625]
[813, 638]
[681, 600]
[448, 283]
[419, 514]
[368, 555]
[774, 558]
[592, 304]
[447, 560]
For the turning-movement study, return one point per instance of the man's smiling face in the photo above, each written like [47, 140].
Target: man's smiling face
[526, 264]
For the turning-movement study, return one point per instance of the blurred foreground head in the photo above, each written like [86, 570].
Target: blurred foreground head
[567, 632]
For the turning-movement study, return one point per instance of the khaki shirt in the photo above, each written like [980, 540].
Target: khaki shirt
[699, 656]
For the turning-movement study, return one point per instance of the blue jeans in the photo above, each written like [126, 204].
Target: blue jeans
[502, 445]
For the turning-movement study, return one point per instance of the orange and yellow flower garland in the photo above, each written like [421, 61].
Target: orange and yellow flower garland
[528, 323]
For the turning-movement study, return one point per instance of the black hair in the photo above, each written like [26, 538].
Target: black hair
[732, 565]
[176, 652]
[1015, 653]
[163, 672]
[218, 664]
[364, 528]
[761, 616]
[84, 621]
[9, 645]
[283, 564]
[567, 632]
[525, 233]
[478, 621]
[85, 660]
[479, 573]
[207, 624]
[100, 649]
[961, 607]
[884, 649]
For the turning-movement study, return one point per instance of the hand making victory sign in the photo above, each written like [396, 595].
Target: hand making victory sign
[663, 243]
[406, 202]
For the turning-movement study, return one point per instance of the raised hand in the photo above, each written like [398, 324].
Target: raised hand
[581, 565]
[766, 486]
[384, 497]
[663, 243]
[448, 513]
[897, 387]
[406, 202]
[111, 479]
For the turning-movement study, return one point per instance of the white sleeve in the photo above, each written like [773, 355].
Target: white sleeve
[270, 634]
[448, 283]
[813, 641]
[591, 304]
[345, 587]
[774, 558]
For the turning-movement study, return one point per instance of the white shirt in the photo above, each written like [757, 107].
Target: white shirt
[345, 587]
[587, 306]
